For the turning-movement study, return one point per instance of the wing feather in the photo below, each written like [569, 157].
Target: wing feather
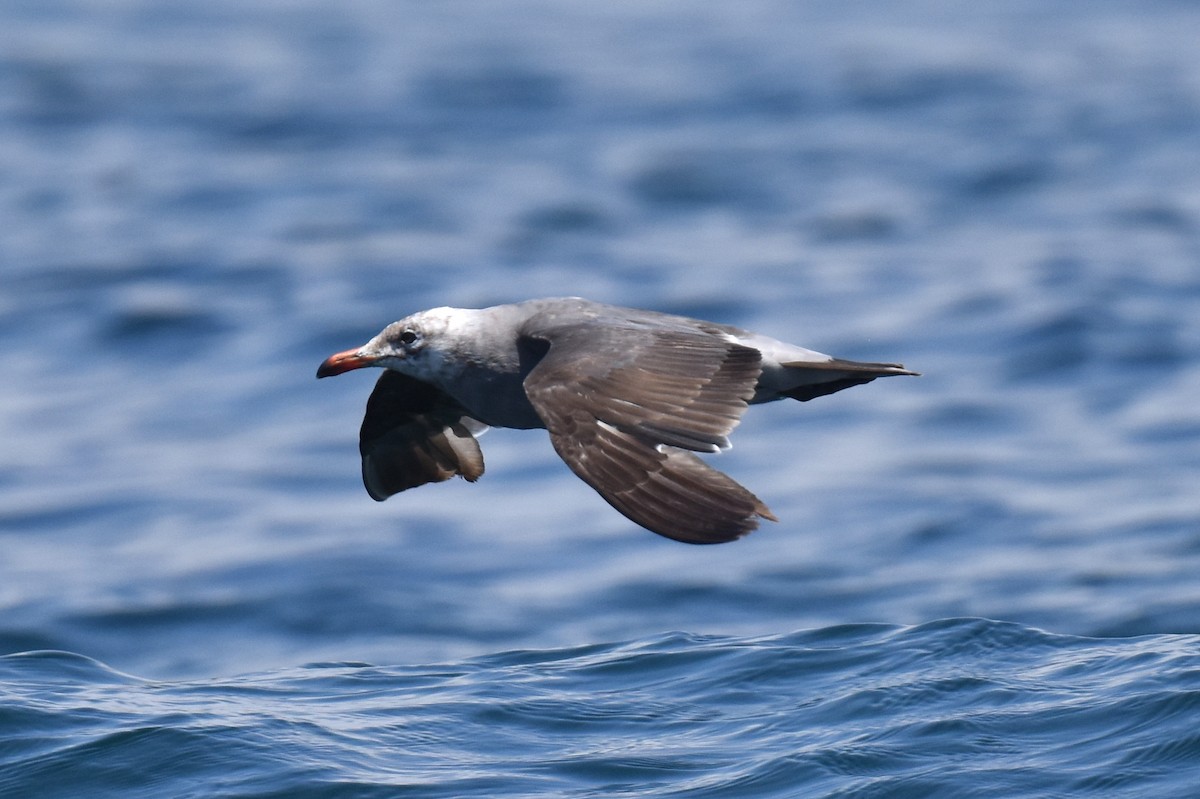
[622, 404]
[412, 434]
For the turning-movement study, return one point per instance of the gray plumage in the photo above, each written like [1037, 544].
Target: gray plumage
[627, 397]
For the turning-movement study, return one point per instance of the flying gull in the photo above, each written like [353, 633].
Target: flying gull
[626, 395]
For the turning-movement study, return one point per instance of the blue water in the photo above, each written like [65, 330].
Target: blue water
[983, 581]
[960, 707]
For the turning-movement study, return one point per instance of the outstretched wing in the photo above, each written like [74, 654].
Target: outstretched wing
[412, 434]
[623, 402]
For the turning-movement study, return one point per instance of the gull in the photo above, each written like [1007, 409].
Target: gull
[626, 395]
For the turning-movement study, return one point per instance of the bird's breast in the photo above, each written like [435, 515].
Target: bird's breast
[497, 399]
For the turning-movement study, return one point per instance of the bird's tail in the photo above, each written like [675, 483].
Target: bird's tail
[818, 378]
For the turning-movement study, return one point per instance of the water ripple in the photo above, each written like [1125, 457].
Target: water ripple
[955, 707]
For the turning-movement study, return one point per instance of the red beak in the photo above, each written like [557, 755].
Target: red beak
[343, 362]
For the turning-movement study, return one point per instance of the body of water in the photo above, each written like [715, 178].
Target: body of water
[983, 581]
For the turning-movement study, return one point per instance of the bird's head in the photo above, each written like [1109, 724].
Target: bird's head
[404, 346]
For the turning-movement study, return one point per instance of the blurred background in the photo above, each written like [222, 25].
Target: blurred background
[200, 201]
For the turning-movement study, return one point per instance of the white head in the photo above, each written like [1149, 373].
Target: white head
[417, 345]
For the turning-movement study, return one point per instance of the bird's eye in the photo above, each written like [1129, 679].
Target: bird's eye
[408, 337]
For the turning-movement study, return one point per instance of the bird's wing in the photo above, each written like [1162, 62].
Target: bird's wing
[623, 402]
[412, 434]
